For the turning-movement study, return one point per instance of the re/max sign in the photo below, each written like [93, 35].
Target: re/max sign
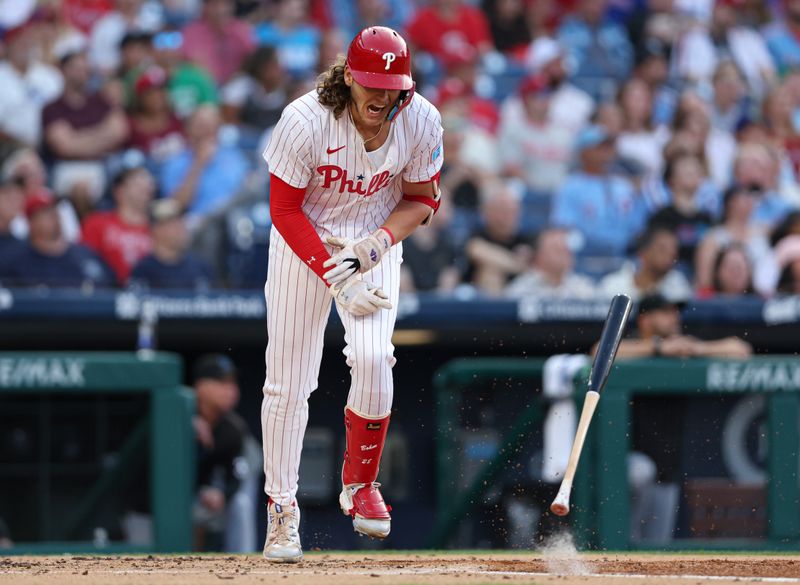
[768, 377]
[41, 372]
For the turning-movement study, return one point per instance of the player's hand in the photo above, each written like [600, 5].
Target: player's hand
[355, 256]
[359, 297]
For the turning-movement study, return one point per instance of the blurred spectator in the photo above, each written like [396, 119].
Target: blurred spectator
[12, 202]
[732, 273]
[26, 168]
[47, 258]
[508, 25]
[28, 84]
[640, 140]
[218, 41]
[110, 29]
[653, 272]
[684, 177]
[534, 148]
[498, 252]
[155, 130]
[171, 265]
[189, 85]
[603, 207]
[551, 272]
[729, 105]
[756, 166]
[206, 174]
[431, 261]
[136, 55]
[736, 228]
[693, 124]
[598, 49]
[702, 49]
[352, 16]
[224, 506]
[295, 40]
[254, 99]
[782, 37]
[570, 107]
[659, 334]
[448, 29]
[80, 129]
[652, 67]
[121, 236]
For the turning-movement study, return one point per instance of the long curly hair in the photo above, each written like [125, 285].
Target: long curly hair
[332, 90]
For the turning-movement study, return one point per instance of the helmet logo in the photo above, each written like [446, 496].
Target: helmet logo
[389, 58]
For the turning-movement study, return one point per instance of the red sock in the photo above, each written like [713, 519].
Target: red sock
[365, 438]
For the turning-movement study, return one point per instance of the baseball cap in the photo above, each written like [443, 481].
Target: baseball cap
[215, 366]
[590, 136]
[38, 201]
[656, 302]
[543, 51]
[151, 78]
[162, 210]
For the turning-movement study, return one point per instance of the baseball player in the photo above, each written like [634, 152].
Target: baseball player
[354, 170]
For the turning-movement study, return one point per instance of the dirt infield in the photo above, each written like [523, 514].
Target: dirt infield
[404, 569]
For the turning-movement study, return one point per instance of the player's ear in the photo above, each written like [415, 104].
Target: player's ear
[348, 77]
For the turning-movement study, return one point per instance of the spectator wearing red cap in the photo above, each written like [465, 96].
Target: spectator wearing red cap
[121, 236]
[27, 85]
[81, 128]
[534, 148]
[448, 28]
[47, 258]
[155, 130]
[218, 41]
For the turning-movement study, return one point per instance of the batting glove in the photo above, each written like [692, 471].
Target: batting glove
[354, 257]
[359, 297]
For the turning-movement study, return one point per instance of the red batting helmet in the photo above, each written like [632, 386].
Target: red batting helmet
[379, 58]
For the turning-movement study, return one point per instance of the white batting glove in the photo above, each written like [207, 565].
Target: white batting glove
[359, 297]
[356, 256]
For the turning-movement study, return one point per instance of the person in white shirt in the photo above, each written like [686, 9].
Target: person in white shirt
[27, 85]
[551, 273]
[654, 271]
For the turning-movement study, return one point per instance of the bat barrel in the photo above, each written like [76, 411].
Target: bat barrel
[617, 318]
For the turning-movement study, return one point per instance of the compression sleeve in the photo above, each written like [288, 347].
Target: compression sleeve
[285, 207]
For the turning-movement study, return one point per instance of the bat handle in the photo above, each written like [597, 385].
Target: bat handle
[560, 505]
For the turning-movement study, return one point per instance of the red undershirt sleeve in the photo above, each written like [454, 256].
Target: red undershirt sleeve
[285, 207]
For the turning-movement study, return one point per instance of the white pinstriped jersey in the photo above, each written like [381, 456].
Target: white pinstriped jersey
[346, 195]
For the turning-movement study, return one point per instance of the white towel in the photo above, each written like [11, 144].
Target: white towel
[562, 418]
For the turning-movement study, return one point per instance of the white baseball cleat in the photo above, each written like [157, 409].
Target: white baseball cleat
[364, 504]
[283, 535]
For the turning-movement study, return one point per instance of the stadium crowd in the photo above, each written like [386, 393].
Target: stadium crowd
[592, 146]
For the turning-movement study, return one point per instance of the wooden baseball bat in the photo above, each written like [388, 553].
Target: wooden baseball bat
[613, 329]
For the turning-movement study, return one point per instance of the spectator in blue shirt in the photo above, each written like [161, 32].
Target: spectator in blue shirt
[47, 258]
[171, 265]
[206, 174]
[782, 37]
[292, 35]
[598, 49]
[603, 207]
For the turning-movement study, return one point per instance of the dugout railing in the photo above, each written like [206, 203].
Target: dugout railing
[600, 513]
[74, 430]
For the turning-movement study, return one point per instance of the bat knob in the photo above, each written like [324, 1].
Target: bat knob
[560, 506]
